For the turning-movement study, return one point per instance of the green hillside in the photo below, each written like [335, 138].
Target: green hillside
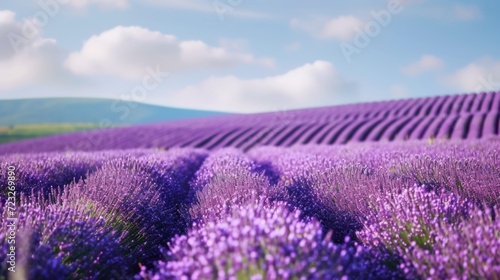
[83, 110]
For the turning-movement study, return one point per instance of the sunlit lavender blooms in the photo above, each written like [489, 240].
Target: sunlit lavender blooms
[62, 242]
[258, 242]
[209, 203]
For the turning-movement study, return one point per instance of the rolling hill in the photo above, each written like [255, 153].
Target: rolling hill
[466, 116]
[83, 110]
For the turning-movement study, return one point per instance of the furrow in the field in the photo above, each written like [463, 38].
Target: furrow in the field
[244, 139]
[333, 134]
[363, 132]
[457, 105]
[198, 137]
[496, 103]
[418, 110]
[487, 103]
[476, 105]
[295, 138]
[438, 105]
[469, 101]
[322, 134]
[395, 128]
[229, 141]
[419, 131]
[446, 128]
[376, 134]
[349, 132]
[461, 129]
[491, 124]
[426, 109]
[268, 137]
[257, 139]
[448, 105]
[173, 138]
[405, 132]
[291, 129]
[220, 138]
[308, 135]
[433, 129]
[476, 126]
[408, 107]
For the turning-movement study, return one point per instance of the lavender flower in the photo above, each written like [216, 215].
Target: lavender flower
[258, 242]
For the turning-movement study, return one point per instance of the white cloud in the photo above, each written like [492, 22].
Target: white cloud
[183, 4]
[108, 4]
[233, 44]
[127, 51]
[26, 58]
[425, 64]
[341, 28]
[316, 84]
[482, 75]
[466, 13]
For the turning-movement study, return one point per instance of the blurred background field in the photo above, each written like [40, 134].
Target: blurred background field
[11, 133]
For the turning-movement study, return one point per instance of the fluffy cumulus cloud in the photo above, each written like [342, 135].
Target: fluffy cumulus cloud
[128, 51]
[26, 57]
[194, 5]
[110, 4]
[482, 75]
[425, 64]
[314, 84]
[341, 28]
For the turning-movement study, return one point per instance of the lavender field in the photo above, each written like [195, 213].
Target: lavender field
[467, 116]
[390, 190]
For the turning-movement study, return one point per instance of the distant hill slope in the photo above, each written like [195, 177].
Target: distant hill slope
[456, 117]
[83, 110]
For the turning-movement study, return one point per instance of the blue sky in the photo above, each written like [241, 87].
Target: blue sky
[248, 56]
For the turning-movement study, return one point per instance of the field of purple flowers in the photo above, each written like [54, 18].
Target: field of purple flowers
[414, 209]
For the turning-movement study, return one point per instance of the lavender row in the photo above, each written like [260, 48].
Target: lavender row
[55, 241]
[435, 235]
[257, 241]
[137, 201]
[472, 116]
[365, 192]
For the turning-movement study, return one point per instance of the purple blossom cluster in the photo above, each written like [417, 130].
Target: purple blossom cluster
[468, 250]
[57, 241]
[45, 171]
[227, 178]
[406, 210]
[141, 198]
[433, 234]
[258, 242]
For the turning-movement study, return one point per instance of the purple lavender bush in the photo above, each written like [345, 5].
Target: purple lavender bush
[404, 225]
[227, 178]
[468, 250]
[57, 241]
[46, 171]
[258, 242]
